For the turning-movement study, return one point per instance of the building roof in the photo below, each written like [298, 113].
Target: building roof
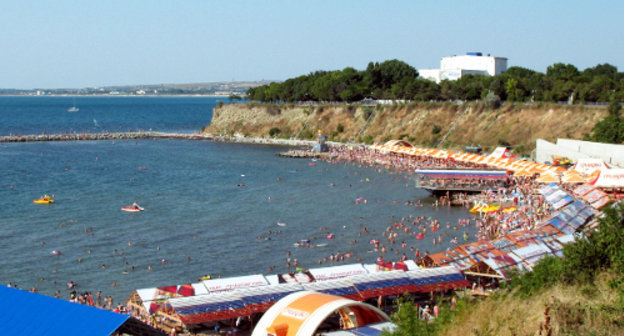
[25, 313]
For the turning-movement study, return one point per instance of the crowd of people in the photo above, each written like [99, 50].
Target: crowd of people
[522, 207]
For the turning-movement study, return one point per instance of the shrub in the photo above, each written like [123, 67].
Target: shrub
[492, 100]
[339, 128]
[274, 131]
[368, 139]
[583, 259]
[436, 129]
[306, 134]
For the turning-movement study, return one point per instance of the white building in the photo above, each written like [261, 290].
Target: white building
[473, 63]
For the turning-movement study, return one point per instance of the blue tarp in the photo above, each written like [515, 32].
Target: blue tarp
[25, 313]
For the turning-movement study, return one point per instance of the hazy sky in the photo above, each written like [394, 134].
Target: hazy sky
[73, 44]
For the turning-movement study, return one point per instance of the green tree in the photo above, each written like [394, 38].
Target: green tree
[611, 128]
[560, 71]
[514, 90]
[406, 318]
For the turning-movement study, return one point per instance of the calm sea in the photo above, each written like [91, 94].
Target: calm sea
[211, 208]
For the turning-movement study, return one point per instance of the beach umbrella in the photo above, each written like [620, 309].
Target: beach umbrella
[523, 173]
[548, 178]
[535, 169]
[556, 169]
[572, 178]
[441, 154]
[572, 172]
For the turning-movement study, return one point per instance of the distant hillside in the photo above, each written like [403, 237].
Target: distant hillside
[208, 88]
[420, 123]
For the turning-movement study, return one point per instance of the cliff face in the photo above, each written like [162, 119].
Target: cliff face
[422, 123]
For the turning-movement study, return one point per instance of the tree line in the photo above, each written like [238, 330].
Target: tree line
[396, 79]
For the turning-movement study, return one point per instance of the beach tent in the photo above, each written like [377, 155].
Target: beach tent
[611, 178]
[572, 176]
[548, 178]
[588, 165]
[523, 173]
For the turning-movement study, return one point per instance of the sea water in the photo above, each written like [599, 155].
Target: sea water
[210, 208]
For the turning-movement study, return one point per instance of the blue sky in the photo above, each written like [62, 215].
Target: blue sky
[73, 44]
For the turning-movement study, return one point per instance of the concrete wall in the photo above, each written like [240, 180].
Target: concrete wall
[577, 149]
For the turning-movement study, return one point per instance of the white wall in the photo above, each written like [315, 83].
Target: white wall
[576, 149]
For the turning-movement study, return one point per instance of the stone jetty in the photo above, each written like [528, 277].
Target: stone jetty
[154, 135]
[304, 154]
[101, 136]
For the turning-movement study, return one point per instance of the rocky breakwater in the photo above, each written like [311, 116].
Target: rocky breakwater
[430, 124]
[101, 136]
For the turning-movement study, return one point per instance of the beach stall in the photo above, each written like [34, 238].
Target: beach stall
[503, 264]
[226, 284]
[437, 279]
[205, 308]
[336, 272]
[340, 287]
[382, 284]
[259, 299]
[531, 254]
[147, 301]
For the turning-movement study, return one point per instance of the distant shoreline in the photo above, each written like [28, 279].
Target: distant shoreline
[120, 95]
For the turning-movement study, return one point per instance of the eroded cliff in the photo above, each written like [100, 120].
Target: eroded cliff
[430, 124]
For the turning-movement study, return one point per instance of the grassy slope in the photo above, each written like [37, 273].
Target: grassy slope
[571, 310]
